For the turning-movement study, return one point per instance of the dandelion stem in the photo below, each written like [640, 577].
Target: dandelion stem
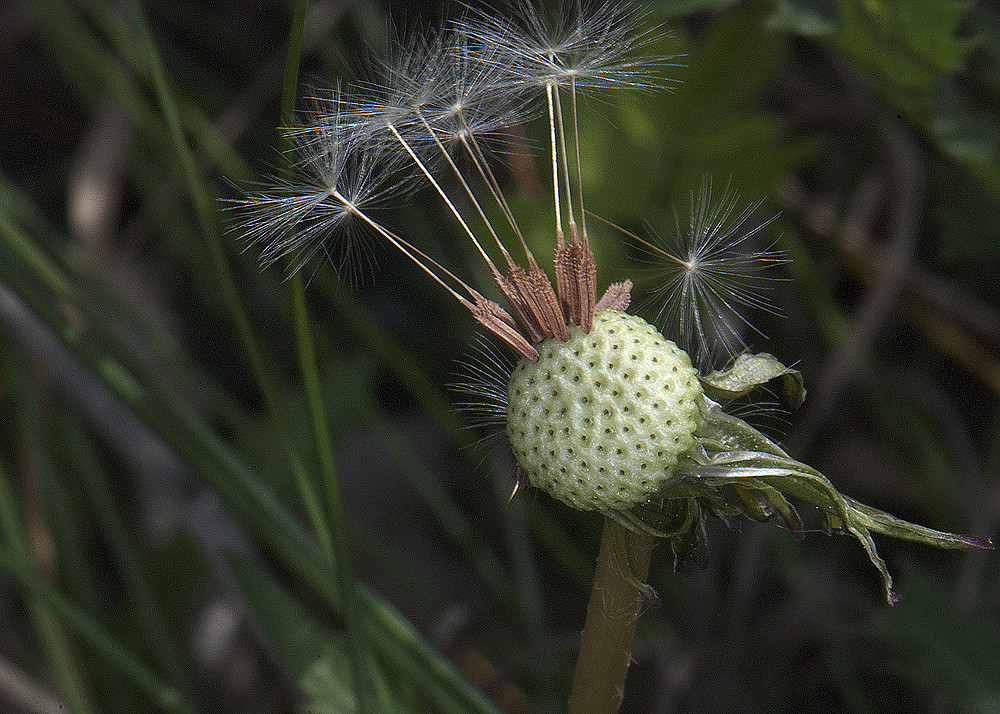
[609, 630]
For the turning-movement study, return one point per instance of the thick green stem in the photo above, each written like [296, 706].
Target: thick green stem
[606, 650]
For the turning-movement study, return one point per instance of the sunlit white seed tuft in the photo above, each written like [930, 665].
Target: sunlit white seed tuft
[594, 47]
[335, 176]
[709, 279]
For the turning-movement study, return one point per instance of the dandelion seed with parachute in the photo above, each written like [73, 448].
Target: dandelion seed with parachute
[710, 279]
[336, 179]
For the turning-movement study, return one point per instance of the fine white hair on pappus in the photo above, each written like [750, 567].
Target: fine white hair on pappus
[592, 45]
[314, 209]
[480, 385]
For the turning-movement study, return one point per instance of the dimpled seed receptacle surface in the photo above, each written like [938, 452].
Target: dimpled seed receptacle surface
[600, 421]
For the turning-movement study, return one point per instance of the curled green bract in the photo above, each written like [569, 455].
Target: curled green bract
[735, 470]
[750, 371]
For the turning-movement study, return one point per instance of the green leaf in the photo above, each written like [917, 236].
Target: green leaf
[961, 132]
[749, 372]
[810, 18]
[89, 631]
[984, 23]
[970, 217]
[905, 45]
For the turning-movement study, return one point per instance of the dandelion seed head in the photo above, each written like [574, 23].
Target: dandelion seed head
[599, 401]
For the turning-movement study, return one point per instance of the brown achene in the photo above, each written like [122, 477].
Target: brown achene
[539, 310]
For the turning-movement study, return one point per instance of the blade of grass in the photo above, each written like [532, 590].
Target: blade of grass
[98, 77]
[422, 388]
[201, 198]
[57, 649]
[455, 523]
[340, 540]
[164, 347]
[399, 360]
[528, 589]
[405, 367]
[435, 678]
[254, 505]
[12, 202]
[204, 132]
[70, 535]
[316, 655]
[93, 634]
[564, 549]
[301, 640]
[85, 62]
[124, 554]
[205, 210]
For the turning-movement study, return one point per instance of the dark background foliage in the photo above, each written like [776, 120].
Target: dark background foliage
[870, 127]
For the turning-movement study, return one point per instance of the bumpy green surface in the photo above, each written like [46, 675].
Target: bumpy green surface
[600, 421]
